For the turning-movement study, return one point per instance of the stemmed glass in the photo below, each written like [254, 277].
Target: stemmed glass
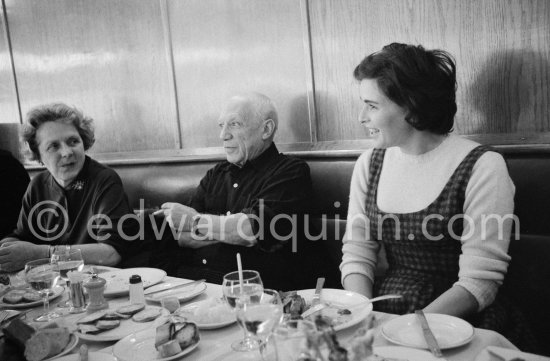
[236, 295]
[262, 318]
[67, 260]
[42, 275]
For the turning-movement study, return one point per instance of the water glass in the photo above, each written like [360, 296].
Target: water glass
[67, 260]
[237, 294]
[289, 341]
[42, 276]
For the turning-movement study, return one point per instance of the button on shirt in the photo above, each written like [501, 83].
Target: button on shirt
[270, 185]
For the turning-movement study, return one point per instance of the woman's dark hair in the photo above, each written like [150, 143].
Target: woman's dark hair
[422, 81]
[56, 112]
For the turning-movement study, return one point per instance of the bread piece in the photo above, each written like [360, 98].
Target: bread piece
[147, 315]
[59, 338]
[187, 334]
[131, 309]
[169, 348]
[14, 296]
[164, 333]
[89, 329]
[107, 324]
[92, 317]
[38, 347]
[31, 296]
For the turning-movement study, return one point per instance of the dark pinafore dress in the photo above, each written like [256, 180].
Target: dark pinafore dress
[423, 264]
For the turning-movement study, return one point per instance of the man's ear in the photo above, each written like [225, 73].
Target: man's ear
[269, 129]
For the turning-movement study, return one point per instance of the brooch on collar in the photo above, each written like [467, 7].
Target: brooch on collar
[78, 185]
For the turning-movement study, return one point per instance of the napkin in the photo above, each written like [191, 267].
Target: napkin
[494, 353]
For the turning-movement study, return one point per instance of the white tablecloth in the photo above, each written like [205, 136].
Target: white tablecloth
[215, 344]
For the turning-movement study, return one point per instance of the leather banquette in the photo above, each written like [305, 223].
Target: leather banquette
[148, 184]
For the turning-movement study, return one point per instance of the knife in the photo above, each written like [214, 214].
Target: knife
[316, 304]
[428, 335]
[170, 286]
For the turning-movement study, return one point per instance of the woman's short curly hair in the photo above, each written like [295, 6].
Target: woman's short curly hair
[422, 81]
[56, 112]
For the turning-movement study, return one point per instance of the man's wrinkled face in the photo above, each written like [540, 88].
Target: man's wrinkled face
[241, 132]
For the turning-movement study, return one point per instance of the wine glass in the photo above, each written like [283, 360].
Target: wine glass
[67, 260]
[236, 295]
[261, 318]
[42, 275]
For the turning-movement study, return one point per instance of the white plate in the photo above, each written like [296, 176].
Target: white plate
[98, 269]
[404, 353]
[72, 344]
[140, 346]
[353, 301]
[189, 312]
[118, 281]
[183, 294]
[126, 327]
[449, 331]
[92, 356]
[57, 291]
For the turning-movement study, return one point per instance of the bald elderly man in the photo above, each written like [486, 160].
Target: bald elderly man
[253, 204]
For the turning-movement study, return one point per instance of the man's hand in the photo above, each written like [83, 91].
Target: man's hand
[15, 253]
[179, 217]
[189, 240]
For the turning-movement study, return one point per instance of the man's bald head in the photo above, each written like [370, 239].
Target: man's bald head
[248, 124]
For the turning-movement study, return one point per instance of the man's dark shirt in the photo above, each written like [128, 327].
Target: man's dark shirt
[272, 184]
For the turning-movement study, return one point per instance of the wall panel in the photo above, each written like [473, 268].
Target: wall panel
[106, 57]
[502, 49]
[9, 111]
[225, 47]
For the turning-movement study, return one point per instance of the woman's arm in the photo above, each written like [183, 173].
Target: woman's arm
[488, 215]
[360, 253]
[456, 301]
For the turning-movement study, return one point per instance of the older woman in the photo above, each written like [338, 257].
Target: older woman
[76, 201]
[440, 204]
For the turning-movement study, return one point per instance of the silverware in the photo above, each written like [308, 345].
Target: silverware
[318, 288]
[170, 286]
[310, 311]
[428, 335]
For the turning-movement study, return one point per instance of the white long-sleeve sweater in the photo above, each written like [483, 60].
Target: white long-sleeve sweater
[409, 183]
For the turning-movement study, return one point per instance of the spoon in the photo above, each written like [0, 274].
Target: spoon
[320, 306]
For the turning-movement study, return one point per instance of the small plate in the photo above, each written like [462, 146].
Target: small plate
[449, 331]
[118, 281]
[92, 356]
[126, 327]
[355, 302]
[140, 346]
[56, 292]
[98, 269]
[404, 353]
[72, 344]
[183, 294]
[189, 313]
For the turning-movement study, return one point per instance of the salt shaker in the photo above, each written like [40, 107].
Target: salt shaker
[95, 286]
[136, 290]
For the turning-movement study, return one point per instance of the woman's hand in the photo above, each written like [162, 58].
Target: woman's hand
[14, 253]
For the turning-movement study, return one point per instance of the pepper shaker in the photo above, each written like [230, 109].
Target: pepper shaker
[95, 286]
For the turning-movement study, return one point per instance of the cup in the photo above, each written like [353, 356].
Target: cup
[171, 303]
[289, 341]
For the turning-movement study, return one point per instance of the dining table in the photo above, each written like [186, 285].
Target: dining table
[215, 344]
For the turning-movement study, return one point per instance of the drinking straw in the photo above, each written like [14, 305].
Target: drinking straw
[240, 268]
